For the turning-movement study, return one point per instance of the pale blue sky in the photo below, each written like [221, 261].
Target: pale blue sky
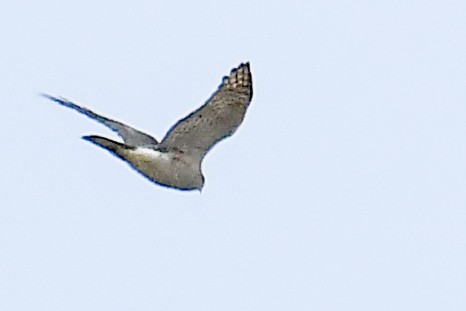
[344, 189]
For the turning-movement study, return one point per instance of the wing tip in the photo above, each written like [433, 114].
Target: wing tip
[241, 66]
[50, 97]
[239, 77]
[60, 100]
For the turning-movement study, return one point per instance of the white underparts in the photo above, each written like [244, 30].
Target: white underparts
[150, 154]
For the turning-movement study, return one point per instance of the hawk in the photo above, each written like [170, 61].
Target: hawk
[176, 161]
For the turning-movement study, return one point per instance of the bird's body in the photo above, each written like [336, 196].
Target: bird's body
[172, 169]
[176, 161]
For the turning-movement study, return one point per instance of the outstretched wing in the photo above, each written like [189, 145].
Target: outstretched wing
[218, 118]
[131, 136]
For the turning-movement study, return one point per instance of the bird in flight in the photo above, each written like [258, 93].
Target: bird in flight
[176, 161]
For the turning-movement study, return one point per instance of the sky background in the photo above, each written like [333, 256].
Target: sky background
[344, 189]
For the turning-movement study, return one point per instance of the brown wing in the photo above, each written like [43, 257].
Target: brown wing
[218, 118]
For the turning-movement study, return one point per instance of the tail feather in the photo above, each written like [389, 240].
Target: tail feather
[113, 146]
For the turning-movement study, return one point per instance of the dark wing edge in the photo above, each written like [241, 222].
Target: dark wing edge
[130, 135]
[232, 97]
